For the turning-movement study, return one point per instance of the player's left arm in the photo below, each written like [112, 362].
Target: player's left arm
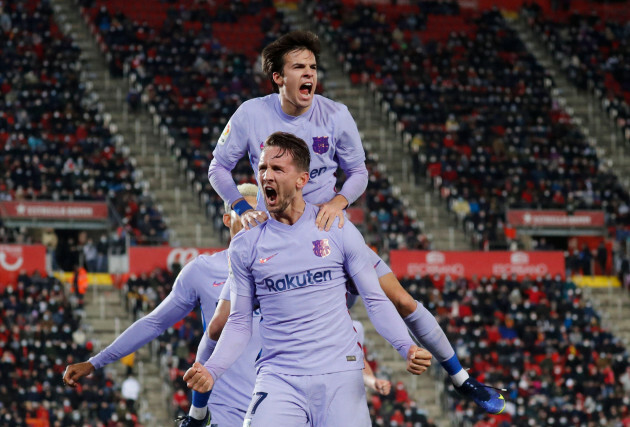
[237, 331]
[351, 157]
[381, 311]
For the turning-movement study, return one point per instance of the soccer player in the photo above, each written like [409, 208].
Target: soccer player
[199, 283]
[333, 139]
[310, 366]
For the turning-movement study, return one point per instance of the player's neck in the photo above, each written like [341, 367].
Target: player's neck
[290, 109]
[292, 213]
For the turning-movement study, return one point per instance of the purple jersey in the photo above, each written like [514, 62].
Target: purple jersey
[327, 127]
[199, 283]
[298, 274]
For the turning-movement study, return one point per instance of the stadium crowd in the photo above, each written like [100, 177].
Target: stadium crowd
[41, 331]
[484, 127]
[593, 52]
[56, 142]
[537, 337]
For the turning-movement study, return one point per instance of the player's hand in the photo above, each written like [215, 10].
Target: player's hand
[252, 218]
[382, 387]
[418, 360]
[198, 378]
[75, 372]
[329, 211]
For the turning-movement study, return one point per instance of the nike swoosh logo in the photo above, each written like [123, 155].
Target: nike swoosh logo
[218, 283]
[264, 260]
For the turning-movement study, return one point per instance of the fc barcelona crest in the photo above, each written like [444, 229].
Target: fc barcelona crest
[321, 248]
[320, 144]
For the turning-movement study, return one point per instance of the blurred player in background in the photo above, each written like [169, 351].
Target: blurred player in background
[199, 283]
[333, 140]
[309, 369]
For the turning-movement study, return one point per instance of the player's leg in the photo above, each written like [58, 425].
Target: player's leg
[338, 400]
[277, 400]
[225, 416]
[425, 328]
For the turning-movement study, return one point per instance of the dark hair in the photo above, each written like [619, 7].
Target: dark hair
[296, 147]
[273, 53]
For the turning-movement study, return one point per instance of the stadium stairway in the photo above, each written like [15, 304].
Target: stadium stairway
[582, 105]
[106, 313]
[613, 304]
[162, 174]
[382, 137]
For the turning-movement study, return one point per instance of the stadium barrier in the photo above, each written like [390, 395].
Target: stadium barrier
[469, 264]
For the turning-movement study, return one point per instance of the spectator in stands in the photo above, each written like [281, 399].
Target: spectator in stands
[130, 391]
[41, 327]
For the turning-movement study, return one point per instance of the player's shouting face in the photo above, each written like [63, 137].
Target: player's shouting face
[297, 82]
[282, 173]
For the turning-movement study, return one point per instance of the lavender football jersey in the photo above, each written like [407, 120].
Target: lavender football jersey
[327, 127]
[199, 283]
[298, 274]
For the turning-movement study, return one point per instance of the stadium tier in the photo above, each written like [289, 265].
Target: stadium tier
[471, 108]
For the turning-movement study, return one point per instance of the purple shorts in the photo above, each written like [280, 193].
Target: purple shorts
[327, 400]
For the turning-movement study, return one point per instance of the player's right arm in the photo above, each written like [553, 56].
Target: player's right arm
[231, 147]
[172, 309]
[381, 311]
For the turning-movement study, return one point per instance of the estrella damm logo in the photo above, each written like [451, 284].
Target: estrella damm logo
[321, 248]
[320, 144]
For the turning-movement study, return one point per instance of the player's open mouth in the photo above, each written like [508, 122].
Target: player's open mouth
[306, 89]
[271, 195]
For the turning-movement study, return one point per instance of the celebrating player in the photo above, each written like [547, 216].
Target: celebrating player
[333, 140]
[310, 366]
[199, 283]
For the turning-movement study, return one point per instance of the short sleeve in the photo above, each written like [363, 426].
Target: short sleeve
[225, 292]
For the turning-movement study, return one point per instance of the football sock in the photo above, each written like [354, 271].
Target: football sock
[199, 406]
[430, 335]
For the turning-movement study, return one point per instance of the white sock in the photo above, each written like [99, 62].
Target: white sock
[198, 413]
[459, 378]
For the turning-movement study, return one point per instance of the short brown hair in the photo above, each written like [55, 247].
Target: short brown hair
[273, 53]
[296, 147]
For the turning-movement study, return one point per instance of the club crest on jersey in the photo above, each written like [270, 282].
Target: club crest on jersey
[226, 133]
[320, 144]
[321, 248]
